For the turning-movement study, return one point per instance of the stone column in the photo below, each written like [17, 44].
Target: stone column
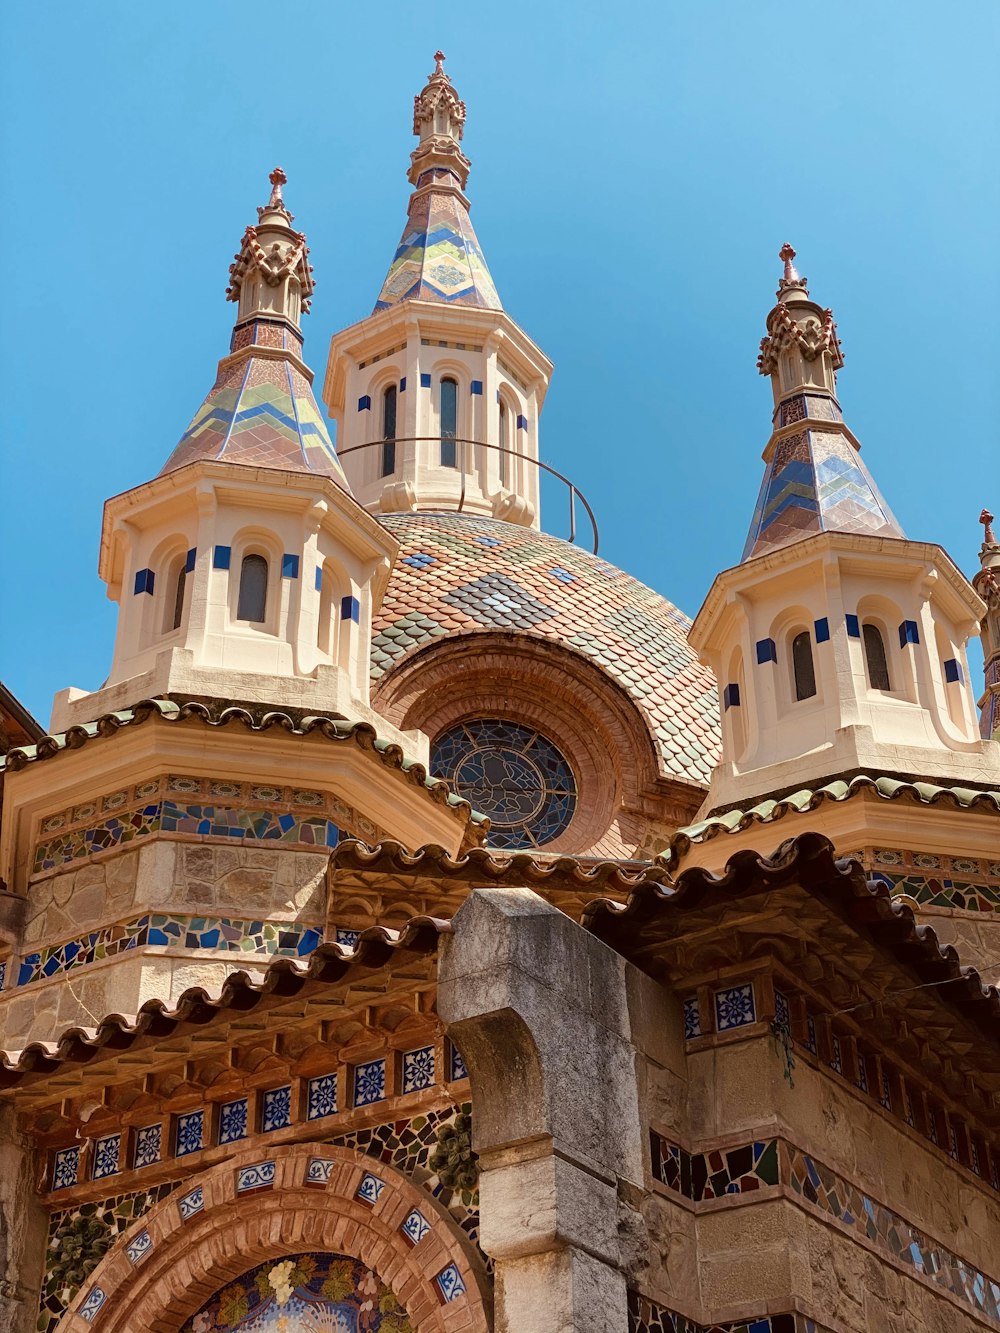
[539, 1010]
[22, 1229]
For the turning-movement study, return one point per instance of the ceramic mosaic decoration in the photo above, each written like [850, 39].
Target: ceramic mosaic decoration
[304, 1293]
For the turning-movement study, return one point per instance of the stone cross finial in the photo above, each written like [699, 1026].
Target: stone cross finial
[277, 179]
[787, 254]
[986, 518]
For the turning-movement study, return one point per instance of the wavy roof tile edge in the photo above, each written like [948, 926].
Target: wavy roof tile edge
[334, 729]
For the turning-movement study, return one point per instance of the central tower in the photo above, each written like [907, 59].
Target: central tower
[437, 393]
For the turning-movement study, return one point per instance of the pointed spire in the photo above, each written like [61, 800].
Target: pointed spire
[986, 582]
[439, 257]
[261, 410]
[815, 480]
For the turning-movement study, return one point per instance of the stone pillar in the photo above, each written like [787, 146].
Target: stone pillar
[22, 1229]
[539, 1010]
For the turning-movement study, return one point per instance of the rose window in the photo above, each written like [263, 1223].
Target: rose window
[511, 773]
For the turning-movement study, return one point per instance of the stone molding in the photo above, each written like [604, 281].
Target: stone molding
[210, 1230]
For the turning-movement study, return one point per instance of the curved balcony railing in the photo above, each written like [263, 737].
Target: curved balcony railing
[462, 467]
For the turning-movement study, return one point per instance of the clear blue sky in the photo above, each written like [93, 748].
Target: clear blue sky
[635, 170]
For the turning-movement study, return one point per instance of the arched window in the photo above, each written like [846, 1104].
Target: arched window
[178, 606]
[802, 666]
[504, 443]
[449, 421]
[253, 589]
[389, 431]
[878, 666]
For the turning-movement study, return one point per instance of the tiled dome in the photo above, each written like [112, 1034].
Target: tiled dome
[458, 573]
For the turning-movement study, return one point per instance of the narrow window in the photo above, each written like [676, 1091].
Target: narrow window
[802, 666]
[878, 666]
[253, 589]
[449, 422]
[179, 596]
[389, 431]
[504, 443]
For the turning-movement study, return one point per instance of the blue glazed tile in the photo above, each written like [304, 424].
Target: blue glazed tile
[144, 580]
[319, 578]
[221, 557]
[418, 560]
[487, 541]
[458, 1069]
[450, 1282]
[418, 1069]
[734, 1007]
[95, 1299]
[822, 628]
[766, 651]
[476, 386]
[191, 1203]
[562, 575]
[908, 633]
[370, 1189]
[364, 402]
[233, 1120]
[319, 1170]
[189, 1133]
[348, 938]
[369, 1082]
[259, 1176]
[425, 380]
[953, 671]
[148, 1145]
[321, 1098]
[289, 566]
[853, 627]
[402, 385]
[692, 1018]
[137, 1249]
[192, 556]
[731, 695]
[350, 609]
[106, 1152]
[65, 1168]
[276, 1109]
[415, 1227]
[522, 422]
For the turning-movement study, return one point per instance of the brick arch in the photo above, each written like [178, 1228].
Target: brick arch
[304, 1208]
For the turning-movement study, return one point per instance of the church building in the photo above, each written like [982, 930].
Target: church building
[428, 928]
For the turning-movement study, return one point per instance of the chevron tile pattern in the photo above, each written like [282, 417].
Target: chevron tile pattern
[439, 257]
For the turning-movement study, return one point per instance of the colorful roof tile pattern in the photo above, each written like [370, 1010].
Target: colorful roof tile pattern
[439, 257]
[816, 482]
[261, 411]
[484, 575]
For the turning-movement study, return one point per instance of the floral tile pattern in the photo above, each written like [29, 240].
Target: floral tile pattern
[148, 1145]
[450, 1282]
[256, 1177]
[233, 1120]
[418, 1069]
[692, 1018]
[189, 1133]
[458, 1069]
[321, 1097]
[370, 1189]
[93, 1303]
[319, 1170]
[106, 1153]
[137, 1249]
[415, 1227]
[316, 1291]
[734, 1007]
[369, 1082]
[65, 1168]
[191, 1203]
[645, 1316]
[276, 1109]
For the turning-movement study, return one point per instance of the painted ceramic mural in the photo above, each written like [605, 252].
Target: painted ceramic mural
[304, 1293]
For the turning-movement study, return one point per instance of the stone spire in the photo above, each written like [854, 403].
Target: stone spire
[261, 410]
[439, 257]
[987, 583]
[815, 480]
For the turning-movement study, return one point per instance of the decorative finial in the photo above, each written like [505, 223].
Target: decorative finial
[277, 179]
[791, 275]
[989, 538]
[439, 59]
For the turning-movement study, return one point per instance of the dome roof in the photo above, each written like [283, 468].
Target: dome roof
[459, 573]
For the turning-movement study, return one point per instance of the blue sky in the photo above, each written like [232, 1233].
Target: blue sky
[635, 170]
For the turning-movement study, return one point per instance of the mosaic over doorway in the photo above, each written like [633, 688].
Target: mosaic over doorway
[304, 1293]
[511, 773]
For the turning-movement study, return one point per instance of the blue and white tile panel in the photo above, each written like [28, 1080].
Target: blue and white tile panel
[370, 1189]
[65, 1168]
[692, 1018]
[369, 1082]
[319, 1170]
[95, 1299]
[137, 1249]
[418, 1069]
[192, 1202]
[258, 1176]
[106, 1153]
[148, 1145]
[276, 1109]
[450, 1283]
[415, 1227]
[734, 1007]
[321, 1097]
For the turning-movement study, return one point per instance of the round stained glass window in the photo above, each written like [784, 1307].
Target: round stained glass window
[511, 773]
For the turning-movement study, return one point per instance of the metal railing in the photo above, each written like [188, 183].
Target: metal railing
[462, 462]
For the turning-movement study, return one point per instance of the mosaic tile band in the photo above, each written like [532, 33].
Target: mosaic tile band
[228, 934]
[750, 1167]
[645, 1316]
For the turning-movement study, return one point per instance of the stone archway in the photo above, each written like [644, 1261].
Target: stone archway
[305, 1198]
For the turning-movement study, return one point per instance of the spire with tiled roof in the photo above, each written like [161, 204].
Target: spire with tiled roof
[439, 257]
[261, 410]
[815, 480]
